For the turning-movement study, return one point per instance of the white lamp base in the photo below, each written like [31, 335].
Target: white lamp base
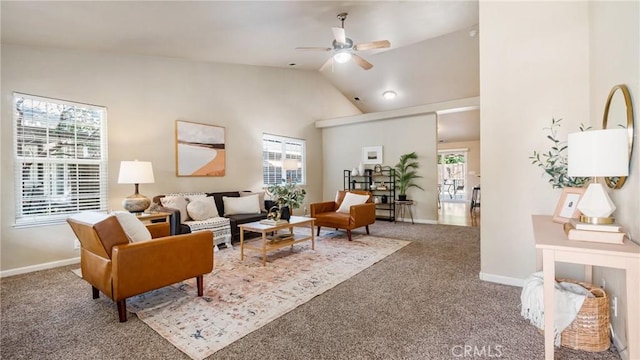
[136, 203]
[596, 205]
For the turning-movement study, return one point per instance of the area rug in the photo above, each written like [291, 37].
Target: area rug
[242, 296]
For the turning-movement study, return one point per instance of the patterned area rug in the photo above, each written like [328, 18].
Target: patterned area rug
[240, 297]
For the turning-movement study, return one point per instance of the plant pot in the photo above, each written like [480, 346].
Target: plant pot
[285, 213]
[402, 197]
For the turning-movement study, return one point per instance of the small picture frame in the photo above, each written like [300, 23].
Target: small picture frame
[567, 207]
[372, 155]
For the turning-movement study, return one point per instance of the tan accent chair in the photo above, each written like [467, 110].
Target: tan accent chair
[120, 269]
[358, 216]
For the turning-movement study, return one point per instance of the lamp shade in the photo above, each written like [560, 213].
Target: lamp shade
[598, 153]
[135, 172]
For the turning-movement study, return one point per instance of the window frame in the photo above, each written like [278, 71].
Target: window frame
[69, 183]
[283, 140]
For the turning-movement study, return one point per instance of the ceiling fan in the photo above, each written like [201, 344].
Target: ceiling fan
[344, 49]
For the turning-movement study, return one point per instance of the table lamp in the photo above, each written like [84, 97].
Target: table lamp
[136, 172]
[598, 153]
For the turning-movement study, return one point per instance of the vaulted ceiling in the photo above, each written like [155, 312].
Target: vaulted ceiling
[432, 57]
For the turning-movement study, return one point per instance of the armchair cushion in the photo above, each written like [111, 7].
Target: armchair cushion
[351, 199]
[133, 228]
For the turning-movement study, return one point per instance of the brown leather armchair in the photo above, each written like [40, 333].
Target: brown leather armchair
[358, 216]
[120, 269]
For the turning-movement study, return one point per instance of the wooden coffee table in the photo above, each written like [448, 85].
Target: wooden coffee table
[268, 243]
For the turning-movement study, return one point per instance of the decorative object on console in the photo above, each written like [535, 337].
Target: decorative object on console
[598, 153]
[618, 114]
[371, 155]
[361, 169]
[136, 172]
[554, 161]
[567, 207]
[200, 149]
[405, 173]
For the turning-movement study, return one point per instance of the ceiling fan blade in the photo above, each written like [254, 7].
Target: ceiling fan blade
[313, 48]
[327, 63]
[339, 34]
[362, 62]
[373, 45]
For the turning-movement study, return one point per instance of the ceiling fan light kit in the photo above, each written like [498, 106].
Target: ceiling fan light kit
[344, 49]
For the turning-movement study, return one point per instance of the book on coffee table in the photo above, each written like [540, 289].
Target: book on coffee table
[273, 222]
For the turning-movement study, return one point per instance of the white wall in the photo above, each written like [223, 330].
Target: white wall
[144, 97]
[342, 148]
[533, 66]
[615, 59]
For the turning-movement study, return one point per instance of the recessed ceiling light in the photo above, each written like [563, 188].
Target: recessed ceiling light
[389, 94]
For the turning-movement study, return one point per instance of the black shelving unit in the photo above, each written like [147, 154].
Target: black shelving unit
[385, 198]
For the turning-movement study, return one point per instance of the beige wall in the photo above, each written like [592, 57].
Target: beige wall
[565, 68]
[342, 148]
[144, 97]
[614, 36]
[473, 162]
[527, 77]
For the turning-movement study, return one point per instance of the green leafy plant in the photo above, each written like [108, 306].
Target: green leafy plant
[405, 173]
[287, 194]
[554, 162]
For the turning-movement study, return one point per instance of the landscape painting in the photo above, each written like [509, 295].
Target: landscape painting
[200, 149]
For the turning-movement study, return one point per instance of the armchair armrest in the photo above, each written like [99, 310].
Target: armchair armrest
[159, 230]
[147, 265]
[363, 214]
[317, 208]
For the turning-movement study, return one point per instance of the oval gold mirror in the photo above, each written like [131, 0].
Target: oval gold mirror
[618, 113]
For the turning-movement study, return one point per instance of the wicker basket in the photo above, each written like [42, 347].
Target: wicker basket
[590, 330]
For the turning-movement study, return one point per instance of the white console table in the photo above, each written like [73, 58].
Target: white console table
[551, 239]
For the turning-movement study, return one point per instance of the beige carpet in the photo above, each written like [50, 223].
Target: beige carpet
[242, 296]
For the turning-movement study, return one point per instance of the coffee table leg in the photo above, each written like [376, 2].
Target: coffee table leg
[313, 240]
[241, 244]
[264, 248]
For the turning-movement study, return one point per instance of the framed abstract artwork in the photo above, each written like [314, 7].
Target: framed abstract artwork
[200, 149]
[372, 155]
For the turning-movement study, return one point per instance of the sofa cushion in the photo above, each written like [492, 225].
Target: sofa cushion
[202, 208]
[241, 205]
[260, 198]
[177, 202]
[218, 198]
[133, 228]
[351, 199]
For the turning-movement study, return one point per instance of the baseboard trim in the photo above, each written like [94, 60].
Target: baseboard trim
[45, 266]
[505, 280]
[417, 221]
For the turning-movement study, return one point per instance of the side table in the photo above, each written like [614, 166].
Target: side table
[401, 207]
[153, 216]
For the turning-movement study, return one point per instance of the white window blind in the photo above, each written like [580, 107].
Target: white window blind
[60, 158]
[275, 149]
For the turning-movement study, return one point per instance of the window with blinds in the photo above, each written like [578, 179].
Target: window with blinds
[60, 158]
[283, 160]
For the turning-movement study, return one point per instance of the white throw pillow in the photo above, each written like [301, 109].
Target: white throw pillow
[202, 209]
[241, 205]
[178, 203]
[133, 228]
[351, 199]
[260, 198]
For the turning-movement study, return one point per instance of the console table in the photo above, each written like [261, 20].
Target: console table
[551, 239]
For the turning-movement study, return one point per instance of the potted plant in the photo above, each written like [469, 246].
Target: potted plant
[288, 196]
[554, 162]
[405, 173]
